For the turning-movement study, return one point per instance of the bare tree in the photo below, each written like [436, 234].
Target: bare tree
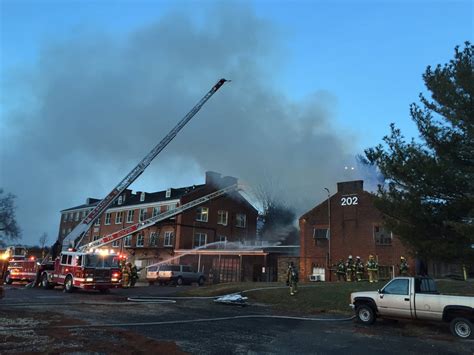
[9, 229]
[42, 242]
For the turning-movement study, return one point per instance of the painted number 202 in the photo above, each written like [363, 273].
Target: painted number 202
[349, 201]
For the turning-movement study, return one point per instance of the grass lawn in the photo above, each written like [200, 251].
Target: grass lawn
[313, 297]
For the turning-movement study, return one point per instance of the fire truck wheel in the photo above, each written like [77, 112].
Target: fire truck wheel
[45, 283]
[201, 281]
[179, 281]
[8, 279]
[68, 287]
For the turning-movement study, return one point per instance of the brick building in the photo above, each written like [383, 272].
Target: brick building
[347, 224]
[229, 218]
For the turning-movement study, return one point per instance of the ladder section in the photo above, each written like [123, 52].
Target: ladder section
[79, 231]
[153, 220]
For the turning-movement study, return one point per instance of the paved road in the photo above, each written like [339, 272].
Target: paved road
[201, 326]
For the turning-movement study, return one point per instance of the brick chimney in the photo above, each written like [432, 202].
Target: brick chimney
[349, 187]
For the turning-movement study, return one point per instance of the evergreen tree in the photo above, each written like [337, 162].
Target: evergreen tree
[428, 194]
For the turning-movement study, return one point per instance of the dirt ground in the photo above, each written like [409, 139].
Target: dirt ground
[43, 334]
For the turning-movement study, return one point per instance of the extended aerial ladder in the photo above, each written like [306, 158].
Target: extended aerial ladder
[77, 234]
[153, 220]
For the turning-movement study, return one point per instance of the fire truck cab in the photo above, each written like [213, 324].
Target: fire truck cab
[90, 271]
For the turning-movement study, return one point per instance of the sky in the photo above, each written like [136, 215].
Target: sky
[87, 88]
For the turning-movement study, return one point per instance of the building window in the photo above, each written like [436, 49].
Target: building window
[68, 230]
[168, 239]
[142, 197]
[84, 214]
[240, 220]
[168, 193]
[320, 233]
[202, 214]
[130, 214]
[153, 239]
[120, 200]
[70, 217]
[127, 241]
[156, 211]
[118, 217]
[95, 237]
[222, 217]
[142, 216]
[97, 222]
[116, 244]
[64, 231]
[140, 240]
[382, 236]
[222, 238]
[107, 218]
[76, 216]
[200, 239]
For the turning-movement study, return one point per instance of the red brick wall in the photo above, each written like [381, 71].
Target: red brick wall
[351, 233]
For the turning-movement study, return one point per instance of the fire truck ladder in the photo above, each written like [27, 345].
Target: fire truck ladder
[79, 231]
[153, 220]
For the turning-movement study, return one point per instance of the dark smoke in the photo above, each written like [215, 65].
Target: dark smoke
[92, 106]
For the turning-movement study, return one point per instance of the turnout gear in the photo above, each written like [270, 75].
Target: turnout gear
[341, 270]
[359, 269]
[292, 279]
[350, 269]
[133, 275]
[403, 268]
[372, 269]
[126, 271]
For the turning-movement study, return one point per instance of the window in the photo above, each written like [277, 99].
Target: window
[382, 236]
[221, 238]
[142, 216]
[70, 216]
[127, 241]
[64, 217]
[156, 211]
[120, 200]
[68, 230]
[84, 214]
[107, 218]
[199, 239]
[118, 217]
[222, 217]
[153, 239]
[76, 216]
[140, 240]
[320, 233]
[64, 231]
[63, 259]
[397, 287]
[97, 222]
[425, 285]
[130, 214]
[240, 220]
[168, 193]
[95, 237]
[202, 214]
[168, 239]
[142, 197]
[116, 244]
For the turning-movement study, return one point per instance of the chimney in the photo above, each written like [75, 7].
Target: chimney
[349, 187]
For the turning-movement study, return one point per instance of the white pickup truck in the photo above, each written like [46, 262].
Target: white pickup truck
[415, 298]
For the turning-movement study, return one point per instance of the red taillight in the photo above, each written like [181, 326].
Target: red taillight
[115, 274]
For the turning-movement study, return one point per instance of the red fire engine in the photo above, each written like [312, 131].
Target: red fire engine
[100, 270]
[20, 267]
[90, 271]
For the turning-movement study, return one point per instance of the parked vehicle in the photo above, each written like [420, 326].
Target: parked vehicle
[415, 298]
[152, 274]
[21, 270]
[175, 274]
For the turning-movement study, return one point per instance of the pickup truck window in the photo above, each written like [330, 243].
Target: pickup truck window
[397, 287]
[425, 285]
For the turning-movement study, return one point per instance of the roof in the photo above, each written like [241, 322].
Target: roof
[134, 199]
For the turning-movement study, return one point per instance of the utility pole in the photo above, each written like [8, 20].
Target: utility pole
[329, 232]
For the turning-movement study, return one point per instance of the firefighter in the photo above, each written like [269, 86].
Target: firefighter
[359, 269]
[126, 275]
[373, 269]
[403, 268]
[341, 271]
[349, 269]
[292, 279]
[133, 274]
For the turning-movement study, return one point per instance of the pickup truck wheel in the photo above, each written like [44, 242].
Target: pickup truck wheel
[68, 287]
[8, 279]
[179, 281]
[365, 314]
[201, 281]
[462, 328]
